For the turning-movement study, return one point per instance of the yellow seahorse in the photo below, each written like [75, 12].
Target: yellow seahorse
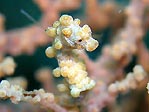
[69, 38]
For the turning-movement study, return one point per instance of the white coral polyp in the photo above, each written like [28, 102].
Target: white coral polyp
[148, 87]
[130, 82]
[17, 94]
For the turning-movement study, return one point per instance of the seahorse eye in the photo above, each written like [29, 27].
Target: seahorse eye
[80, 40]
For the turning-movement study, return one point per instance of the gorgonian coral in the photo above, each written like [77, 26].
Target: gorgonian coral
[131, 81]
[18, 94]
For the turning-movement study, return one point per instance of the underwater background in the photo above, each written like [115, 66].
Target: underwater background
[28, 64]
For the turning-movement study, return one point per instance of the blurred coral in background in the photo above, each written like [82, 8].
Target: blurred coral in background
[114, 77]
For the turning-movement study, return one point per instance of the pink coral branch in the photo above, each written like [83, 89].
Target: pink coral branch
[17, 94]
[25, 40]
[115, 57]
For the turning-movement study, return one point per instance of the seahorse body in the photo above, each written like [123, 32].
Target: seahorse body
[69, 38]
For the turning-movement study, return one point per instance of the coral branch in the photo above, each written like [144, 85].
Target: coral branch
[25, 40]
[131, 81]
[109, 66]
[17, 94]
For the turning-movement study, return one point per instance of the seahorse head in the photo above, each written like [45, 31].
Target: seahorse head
[71, 34]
